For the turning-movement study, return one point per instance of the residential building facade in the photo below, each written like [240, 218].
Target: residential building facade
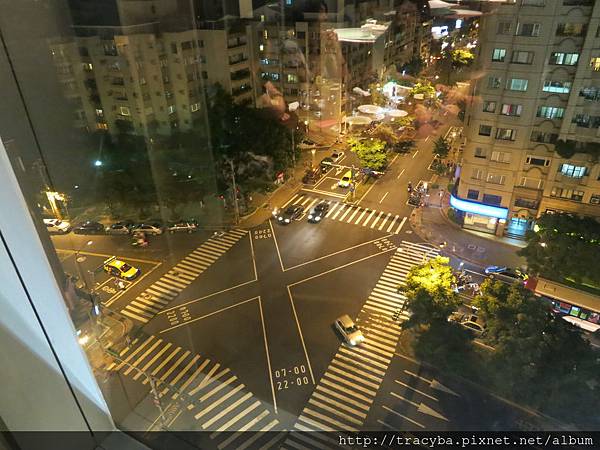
[533, 122]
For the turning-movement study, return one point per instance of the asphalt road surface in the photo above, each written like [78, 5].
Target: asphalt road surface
[235, 331]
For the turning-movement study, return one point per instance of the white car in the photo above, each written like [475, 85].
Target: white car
[57, 226]
[149, 228]
[350, 332]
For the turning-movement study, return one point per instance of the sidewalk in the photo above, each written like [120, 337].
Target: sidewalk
[432, 224]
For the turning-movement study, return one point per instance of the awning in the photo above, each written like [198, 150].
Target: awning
[478, 208]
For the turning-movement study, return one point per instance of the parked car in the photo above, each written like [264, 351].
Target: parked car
[318, 212]
[350, 332]
[121, 269]
[89, 227]
[184, 226]
[326, 164]
[311, 176]
[466, 317]
[505, 272]
[307, 143]
[123, 227]
[336, 156]
[57, 226]
[153, 228]
[292, 212]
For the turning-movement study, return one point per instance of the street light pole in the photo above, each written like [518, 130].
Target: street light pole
[235, 201]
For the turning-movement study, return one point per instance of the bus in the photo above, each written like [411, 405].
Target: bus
[580, 308]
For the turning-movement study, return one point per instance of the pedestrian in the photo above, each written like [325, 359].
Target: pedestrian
[121, 285]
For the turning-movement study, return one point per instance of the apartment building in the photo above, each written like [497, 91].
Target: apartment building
[147, 76]
[537, 98]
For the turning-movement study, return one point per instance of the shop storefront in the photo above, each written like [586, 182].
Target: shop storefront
[479, 216]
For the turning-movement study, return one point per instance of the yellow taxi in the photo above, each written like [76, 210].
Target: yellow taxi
[121, 269]
[345, 180]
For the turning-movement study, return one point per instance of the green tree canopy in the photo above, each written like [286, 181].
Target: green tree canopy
[461, 57]
[370, 151]
[441, 147]
[385, 133]
[429, 292]
[425, 88]
[564, 247]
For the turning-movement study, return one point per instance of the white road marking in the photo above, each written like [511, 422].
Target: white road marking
[400, 174]
[401, 225]
[384, 221]
[415, 154]
[262, 320]
[383, 198]
[403, 416]
[392, 224]
[366, 222]
[360, 217]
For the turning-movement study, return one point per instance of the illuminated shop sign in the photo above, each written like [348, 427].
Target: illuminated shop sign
[478, 208]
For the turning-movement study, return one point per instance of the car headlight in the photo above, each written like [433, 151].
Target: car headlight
[280, 218]
[310, 216]
[318, 218]
[287, 220]
[352, 342]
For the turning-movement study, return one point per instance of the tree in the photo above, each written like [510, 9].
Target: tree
[424, 88]
[377, 97]
[461, 58]
[441, 147]
[384, 133]
[371, 152]
[564, 247]
[414, 66]
[429, 292]
[537, 354]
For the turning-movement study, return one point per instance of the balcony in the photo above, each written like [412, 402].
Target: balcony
[527, 203]
[240, 75]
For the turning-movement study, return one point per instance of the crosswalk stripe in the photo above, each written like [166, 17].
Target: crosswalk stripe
[236, 418]
[356, 370]
[382, 347]
[332, 209]
[305, 201]
[346, 374]
[142, 309]
[360, 217]
[384, 331]
[134, 364]
[384, 221]
[373, 355]
[160, 293]
[164, 376]
[392, 224]
[356, 211]
[353, 361]
[347, 209]
[220, 386]
[200, 261]
[184, 371]
[335, 411]
[213, 405]
[152, 361]
[181, 275]
[376, 220]
[368, 219]
[169, 288]
[225, 411]
[374, 335]
[189, 267]
[314, 423]
[339, 405]
[349, 383]
[181, 284]
[364, 358]
[245, 427]
[163, 363]
[311, 204]
[401, 225]
[270, 444]
[346, 390]
[206, 380]
[349, 400]
[191, 378]
[135, 352]
[330, 420]
[134, 316]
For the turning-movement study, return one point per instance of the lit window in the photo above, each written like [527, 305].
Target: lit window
[489, 107]
[505, 134]
[485, 130]
[557, 87]
[517, 84]
[498, 54]
[564, 59]
[493, 82]
[550, 112]
[595, 64]
[528, 29]
[511, 110]
[171, 109]
[124, 111]
[570, 170]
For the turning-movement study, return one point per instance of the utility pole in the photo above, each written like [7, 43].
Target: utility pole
[293, 152]
[235, 200]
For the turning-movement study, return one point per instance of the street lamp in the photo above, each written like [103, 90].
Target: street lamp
[98, 163]
[313, 153]
[293, 107]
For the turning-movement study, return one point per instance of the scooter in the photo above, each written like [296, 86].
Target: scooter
[139, 243]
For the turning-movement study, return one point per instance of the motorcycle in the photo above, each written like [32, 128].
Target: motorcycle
[139, 243]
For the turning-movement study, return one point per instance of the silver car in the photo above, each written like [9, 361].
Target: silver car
[350, 332]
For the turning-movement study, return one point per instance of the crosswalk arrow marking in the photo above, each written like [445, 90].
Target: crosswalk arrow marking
[435, 384]
[423, 408]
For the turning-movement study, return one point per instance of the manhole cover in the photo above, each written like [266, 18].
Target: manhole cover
[471, 247]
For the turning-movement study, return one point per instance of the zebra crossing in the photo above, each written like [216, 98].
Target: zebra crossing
[161, 292]
[211, 393]
[345, 393]
[353, 214]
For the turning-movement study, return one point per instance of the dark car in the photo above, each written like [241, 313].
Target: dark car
[123, 227]
[182, 226]
[318, 212]
[292, 212]
[505, 272]
[311, 176]
[326, 164]
[89, 227]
